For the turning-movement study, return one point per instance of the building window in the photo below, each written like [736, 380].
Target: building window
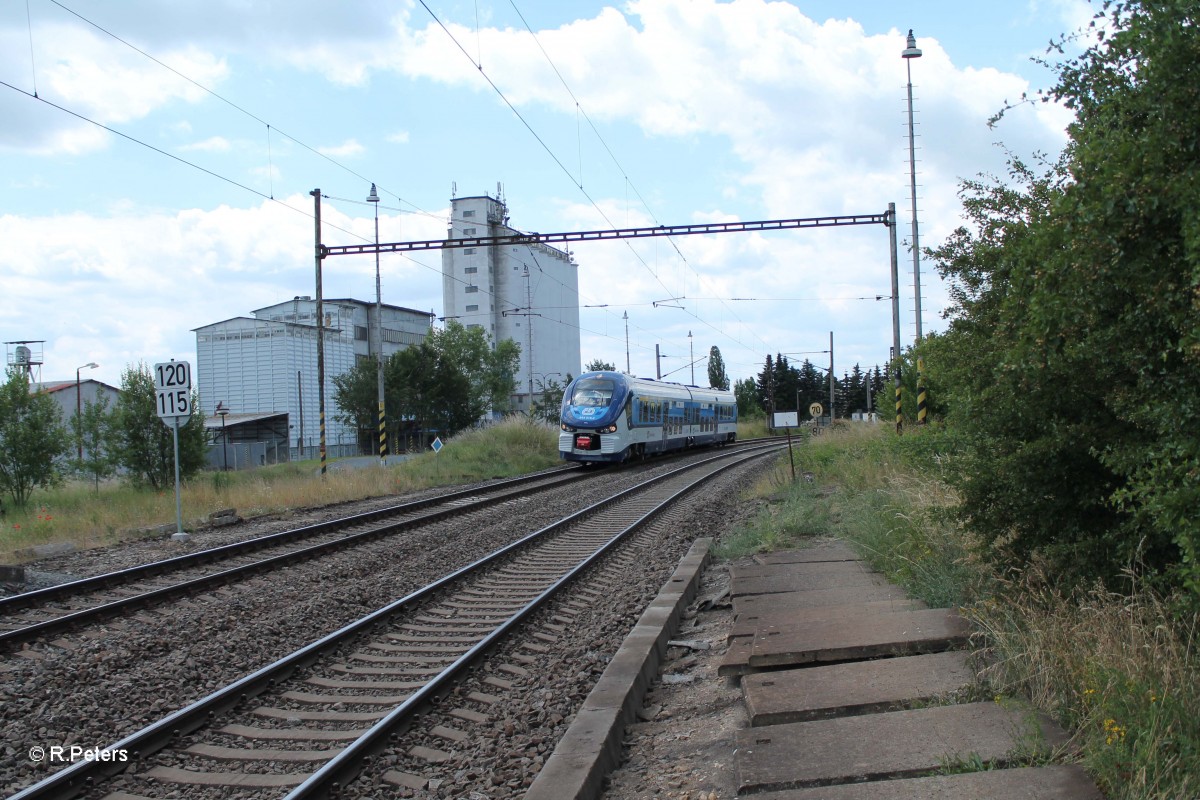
[472, 289]
[360, 333]
[470, 213]
[472, 308]
[468, 251]
[468, 231]
[471, 270]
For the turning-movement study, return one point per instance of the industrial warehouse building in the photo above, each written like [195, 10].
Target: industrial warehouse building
[258, 377]
[527, 293]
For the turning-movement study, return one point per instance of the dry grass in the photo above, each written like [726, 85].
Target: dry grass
[1121, 671]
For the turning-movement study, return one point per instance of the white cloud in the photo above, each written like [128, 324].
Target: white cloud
[213, 144]
[350, 147]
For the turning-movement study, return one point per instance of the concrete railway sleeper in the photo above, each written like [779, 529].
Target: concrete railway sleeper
[309, 721]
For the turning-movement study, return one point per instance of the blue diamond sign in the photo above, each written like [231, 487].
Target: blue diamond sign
[437, 444]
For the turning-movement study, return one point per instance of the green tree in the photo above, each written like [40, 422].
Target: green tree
[599, 365]
[717, 378]
[500, 370]
[1073, 355]
[144, 445]
[549, 396]
[746, 392]
[356, 395]
[94, 432]
[446, 383]
[32, 438]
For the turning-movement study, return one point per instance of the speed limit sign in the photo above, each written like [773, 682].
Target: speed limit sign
[816, 410]
[173, 391]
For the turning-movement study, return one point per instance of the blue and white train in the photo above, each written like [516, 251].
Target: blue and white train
[613, 417]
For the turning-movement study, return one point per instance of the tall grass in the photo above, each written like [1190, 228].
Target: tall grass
[1121, 671]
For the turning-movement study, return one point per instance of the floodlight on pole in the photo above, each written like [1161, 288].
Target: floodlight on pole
[692, 358]
[377, 328]
[911, 52]
[79, 409]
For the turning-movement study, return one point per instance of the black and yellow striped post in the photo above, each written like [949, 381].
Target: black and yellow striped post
[322, 441]
[382, 433]
[921, 409]
[899, 407]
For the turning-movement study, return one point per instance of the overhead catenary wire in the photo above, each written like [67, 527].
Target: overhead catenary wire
[620, 168]
[231, 104]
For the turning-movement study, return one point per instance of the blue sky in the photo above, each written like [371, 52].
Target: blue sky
[672, 112]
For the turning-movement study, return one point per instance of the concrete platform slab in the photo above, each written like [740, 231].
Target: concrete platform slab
[1034, 783]
[814, 598]
[899, 633]
[825, 551]
[805, 581]
[748, 624]
[886, 746]
[862, 687]
[744, 572]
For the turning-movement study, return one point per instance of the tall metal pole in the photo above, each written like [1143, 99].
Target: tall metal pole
[628, 371]
[320, 254]
[895, 310]
[79, 407]
[373, 198]
[909, 54]
[529, 334]
[692, 358]
[831, 377]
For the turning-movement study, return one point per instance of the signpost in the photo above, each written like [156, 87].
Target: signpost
[815, 411]
[173, 401]
[788, 420]
[437, 448]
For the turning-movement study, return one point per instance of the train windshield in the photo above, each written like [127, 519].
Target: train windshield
[593, 392]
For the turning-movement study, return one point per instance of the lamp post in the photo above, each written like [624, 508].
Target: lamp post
[911, 52]
[79, 407]
[692, 358]
[628, 371]
[222, 412]
[373, 198]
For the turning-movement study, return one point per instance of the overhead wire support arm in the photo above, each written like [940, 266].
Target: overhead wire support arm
[602, 235]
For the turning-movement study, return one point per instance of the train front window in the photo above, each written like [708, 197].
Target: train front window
[593, 392]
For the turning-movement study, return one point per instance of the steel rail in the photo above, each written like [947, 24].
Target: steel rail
[345, 766]
[83, 775]
[118, 577]
[204, 582]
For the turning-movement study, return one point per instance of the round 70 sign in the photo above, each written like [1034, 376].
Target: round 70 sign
[173, 390]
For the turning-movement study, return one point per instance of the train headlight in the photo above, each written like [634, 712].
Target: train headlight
[567, 428]
[609, 429]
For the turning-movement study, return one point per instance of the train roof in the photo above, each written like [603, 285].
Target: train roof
[634, 382]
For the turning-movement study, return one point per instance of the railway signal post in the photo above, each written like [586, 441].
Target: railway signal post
[173, 401]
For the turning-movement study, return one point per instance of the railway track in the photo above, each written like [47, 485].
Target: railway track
[308, 721]
[56, 609]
